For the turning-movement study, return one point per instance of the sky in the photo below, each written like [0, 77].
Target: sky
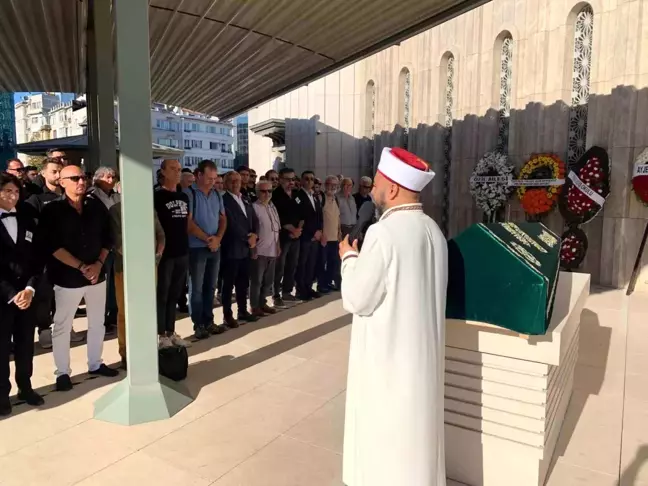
[65, 97]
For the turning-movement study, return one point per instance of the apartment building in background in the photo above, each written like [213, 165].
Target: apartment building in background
[32, 117]
[42, 116]
[241, 142]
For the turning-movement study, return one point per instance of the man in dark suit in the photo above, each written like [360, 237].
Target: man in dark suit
[239, 240]
[310, 210]
[20, 271]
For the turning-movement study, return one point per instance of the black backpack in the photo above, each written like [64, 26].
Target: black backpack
[173, 362]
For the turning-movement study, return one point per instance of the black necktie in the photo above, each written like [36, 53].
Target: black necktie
[7, 215]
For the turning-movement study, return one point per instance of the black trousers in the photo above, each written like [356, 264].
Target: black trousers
[172, 278]
[236, 274]
[18, 325]
[285, 268]
[305, 275]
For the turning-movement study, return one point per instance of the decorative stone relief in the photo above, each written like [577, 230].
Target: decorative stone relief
[407, 106]
[506, 78]
[447, 141]
[580, 84]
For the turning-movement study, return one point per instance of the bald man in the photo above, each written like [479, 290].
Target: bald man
[77, 238]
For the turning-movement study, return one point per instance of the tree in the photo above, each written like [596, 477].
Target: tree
[36, 161]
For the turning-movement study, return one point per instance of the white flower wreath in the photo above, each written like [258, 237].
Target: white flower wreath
[489, 184]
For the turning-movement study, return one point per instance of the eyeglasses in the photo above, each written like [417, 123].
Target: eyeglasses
[17, 169]
[274, 179]
[367, 187]
[76, 179]
[265, 191]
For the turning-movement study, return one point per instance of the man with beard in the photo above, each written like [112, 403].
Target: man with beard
[396, 290]
[44, 297]
[364, 189]
[53, 153]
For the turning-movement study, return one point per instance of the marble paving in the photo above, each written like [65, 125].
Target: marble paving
[269, 410]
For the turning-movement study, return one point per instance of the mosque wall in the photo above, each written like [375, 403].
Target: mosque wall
[524, 76]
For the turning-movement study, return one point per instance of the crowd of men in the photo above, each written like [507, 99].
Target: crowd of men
[217, 238]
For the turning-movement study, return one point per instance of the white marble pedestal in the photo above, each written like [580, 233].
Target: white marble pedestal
[506, 396]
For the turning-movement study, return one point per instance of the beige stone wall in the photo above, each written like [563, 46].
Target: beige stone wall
[326, 120]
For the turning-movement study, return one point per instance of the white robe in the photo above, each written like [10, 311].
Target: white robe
[396, 290]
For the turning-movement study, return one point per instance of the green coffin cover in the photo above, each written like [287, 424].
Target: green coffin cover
[504, 274]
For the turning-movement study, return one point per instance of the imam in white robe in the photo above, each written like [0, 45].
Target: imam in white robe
[396, 290]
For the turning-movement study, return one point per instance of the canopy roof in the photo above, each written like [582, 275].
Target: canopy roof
[220, 57]
[80, 143]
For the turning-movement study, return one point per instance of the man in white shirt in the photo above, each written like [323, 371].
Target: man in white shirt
[266, 252]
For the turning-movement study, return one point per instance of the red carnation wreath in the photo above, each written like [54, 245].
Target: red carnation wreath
[573, 248]
[586, 187]
[640, 177]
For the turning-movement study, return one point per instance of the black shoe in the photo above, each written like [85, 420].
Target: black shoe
[290, 299]
[80, 313]
[5, 407]
[63, 383]
[183, 308]
[30, 397]
[304, 298]
[111, 330]
[216, 329]
[279, 303]
[247, 317]
[103, 370]
[124, 364]
[202, 333]
[315, 295]
[230, 322]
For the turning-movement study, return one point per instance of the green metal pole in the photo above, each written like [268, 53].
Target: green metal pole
[104, 83]
[140, 397]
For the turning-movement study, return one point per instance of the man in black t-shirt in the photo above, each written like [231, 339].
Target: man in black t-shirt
[172, 207]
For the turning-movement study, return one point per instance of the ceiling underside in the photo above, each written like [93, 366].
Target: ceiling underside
[220, 57]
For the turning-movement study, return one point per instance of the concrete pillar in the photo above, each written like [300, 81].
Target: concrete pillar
[141, 397]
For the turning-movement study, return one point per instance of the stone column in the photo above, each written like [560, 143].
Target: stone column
[141, 397]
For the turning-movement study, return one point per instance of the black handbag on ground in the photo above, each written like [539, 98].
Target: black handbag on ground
[173, 362]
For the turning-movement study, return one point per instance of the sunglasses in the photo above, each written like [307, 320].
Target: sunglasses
[76, 179]
[18, 169]
[265, 191]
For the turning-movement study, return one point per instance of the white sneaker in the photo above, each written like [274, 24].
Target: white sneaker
[178, 341]
[45, 339]
[164, 342]
[76, 337]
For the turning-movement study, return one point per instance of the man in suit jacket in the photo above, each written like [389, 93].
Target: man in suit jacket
[240, 238]
[310, 210]
[19, 274]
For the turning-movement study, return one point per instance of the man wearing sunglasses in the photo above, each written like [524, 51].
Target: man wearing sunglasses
[273, 177]
[76, 236]
[364, 191]
[16, 168]
[310, 211]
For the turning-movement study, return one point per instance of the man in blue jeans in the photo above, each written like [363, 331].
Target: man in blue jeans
[207, 224]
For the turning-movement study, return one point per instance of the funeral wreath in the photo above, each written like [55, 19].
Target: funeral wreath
[490, 182]
[573, 248]
[586, 188]
[540, 183]
[640, 177]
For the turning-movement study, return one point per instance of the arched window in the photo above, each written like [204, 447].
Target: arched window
[447, 100]
[505, 90]
[405, 103]
[583, 30]
[370, 109]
